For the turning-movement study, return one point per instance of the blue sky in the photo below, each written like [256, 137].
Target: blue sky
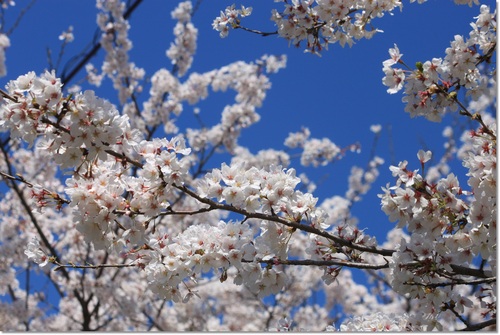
[338, 95]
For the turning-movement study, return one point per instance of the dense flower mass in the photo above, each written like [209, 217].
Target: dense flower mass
[137, 227]
[378, 322]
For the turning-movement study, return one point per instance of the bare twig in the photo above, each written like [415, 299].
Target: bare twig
[20, 17]
[65, 79]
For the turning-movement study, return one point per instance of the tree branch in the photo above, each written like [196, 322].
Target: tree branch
[481, 325]
[310, 262]
[291, 224]
[456, 282]
[65, 79]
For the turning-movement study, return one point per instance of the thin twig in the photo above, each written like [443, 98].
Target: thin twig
[65, 79]
[258, 32]
[19, 18]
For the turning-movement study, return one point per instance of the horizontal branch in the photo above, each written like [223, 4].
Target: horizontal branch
[261, 33]
[310, 262]
[455, 282]
[90, 266]
[462, 270]
[18, 178]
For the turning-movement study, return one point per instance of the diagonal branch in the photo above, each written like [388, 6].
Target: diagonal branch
[291, 224]
[65, 79]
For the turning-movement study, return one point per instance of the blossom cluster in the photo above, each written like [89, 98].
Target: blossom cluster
[444, 230]
[316, 152]
[258, 190]
[431, 89]
[147, 207]
[250, 83]
[378, 322]
[447, 225]
[229, 18]
[319, 23]
[167, 95]
[67, 35]
[126, 76]
[375, 322]
[203, 248]
[181, 51]
[35, 253]
[75, 130]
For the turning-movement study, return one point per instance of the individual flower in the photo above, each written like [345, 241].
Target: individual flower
[395, 57]
[67, 35]
[36, 253]
[375, 128]
[424, 156]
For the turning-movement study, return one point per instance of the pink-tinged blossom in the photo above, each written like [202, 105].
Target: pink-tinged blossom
[395, 57]
[297, 139]
[139, 202]
[424, 156]
[229, 19]
[431, 89]
[67, 35]
[36, 254]
[394, 79]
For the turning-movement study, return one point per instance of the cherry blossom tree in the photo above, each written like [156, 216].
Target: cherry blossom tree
[134, 223]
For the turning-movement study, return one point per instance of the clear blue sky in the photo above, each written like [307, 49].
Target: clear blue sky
[337, 96]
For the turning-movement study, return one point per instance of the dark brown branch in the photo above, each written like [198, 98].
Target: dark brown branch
[91, 266]
[462, 270]
[124, 158]
[455, 282]
[291, 224]
[7, 96]
[27, 209]
[310, 262]
[481, 325]
[258, 32]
